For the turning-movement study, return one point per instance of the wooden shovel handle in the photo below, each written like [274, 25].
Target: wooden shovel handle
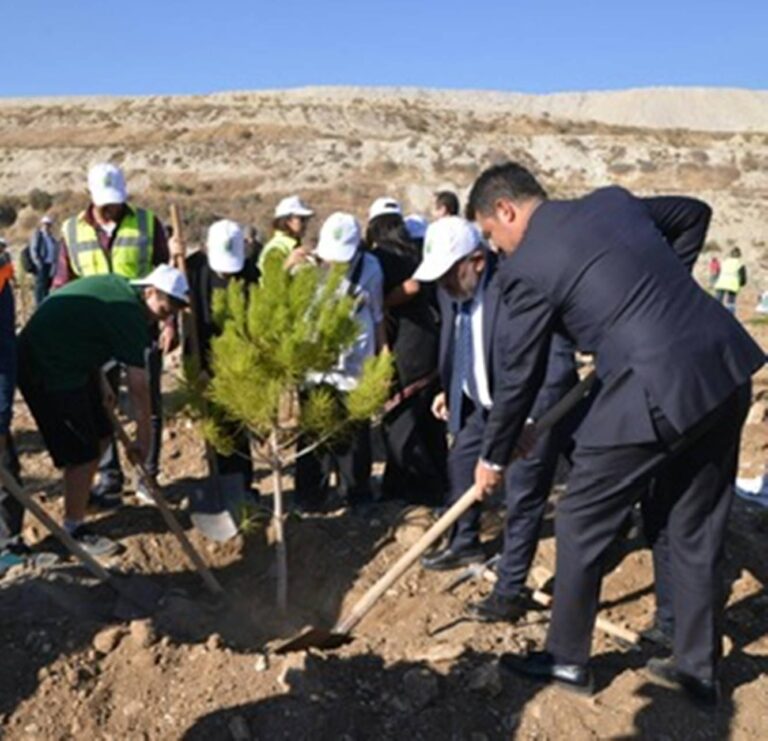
[205, 574]
[369, 599]
[17, 492]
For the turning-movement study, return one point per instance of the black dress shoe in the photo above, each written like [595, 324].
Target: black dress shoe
[542, 665]
[705, 692]
[496, 608]
[448, 559]
[658, 634]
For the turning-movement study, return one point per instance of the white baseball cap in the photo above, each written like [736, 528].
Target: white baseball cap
[46, 220]
[340, 238]
[383, 206]
[447, 241]
[226, 247]
[168, 280]
[416, 225]
[106, 184]
[292, 206]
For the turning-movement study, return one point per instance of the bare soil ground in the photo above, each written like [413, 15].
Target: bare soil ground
[201, 670]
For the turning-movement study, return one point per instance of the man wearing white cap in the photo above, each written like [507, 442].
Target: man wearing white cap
[290, 224]
[113, 236]
[222, 260]
[455, 256]
[61, 352]
[44, 253]
[341, 243]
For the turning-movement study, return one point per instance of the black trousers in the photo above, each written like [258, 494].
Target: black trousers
[416, 451]
[43, 279]
[689, 510]
[241, 461]
[109, 465]
[350, 457]
[527, 482]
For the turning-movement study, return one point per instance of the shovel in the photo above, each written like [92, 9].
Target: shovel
[199, 565]
[138, 596]
[340, 633]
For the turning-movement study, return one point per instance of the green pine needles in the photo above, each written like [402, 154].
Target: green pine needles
[291, 327]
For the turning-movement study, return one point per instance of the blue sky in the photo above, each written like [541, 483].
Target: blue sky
[175, 46]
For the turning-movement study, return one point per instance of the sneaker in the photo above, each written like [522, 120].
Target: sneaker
[93, 544]
[107, 493]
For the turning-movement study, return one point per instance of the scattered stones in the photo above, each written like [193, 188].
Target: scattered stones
[261, 664]
[142, 633]
[107, 640]
[132, 708]
[420, 686]
[214, 642]
[294, 665]
[441, 652]
[238, 728]
[486, 678]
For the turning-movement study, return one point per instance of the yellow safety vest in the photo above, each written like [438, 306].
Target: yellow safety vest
[281, 242]
[131, 252]
[729, 279]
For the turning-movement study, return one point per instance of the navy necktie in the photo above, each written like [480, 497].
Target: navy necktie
[462, 366]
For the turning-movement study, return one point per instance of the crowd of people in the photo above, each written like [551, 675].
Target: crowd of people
[483, 313]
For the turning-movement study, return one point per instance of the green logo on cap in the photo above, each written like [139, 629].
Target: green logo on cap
[428, 247]
[338, 232]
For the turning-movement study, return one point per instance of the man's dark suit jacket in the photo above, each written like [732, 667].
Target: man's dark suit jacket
[601, 271]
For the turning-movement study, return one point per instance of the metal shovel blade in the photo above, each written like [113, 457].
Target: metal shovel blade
[218, 507]
[314, 638]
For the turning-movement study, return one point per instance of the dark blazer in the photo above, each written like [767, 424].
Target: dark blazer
[600, 270]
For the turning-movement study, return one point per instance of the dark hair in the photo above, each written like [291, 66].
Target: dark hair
[281, 224]
[510, 180]
[735, 252]
[389, 229]
[449, 201]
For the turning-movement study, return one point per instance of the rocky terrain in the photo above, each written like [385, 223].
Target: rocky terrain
[237, 153]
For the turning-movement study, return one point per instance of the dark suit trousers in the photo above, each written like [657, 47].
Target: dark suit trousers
[527, 483]
[691, 504]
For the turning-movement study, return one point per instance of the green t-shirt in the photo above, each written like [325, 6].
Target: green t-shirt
[83, 325]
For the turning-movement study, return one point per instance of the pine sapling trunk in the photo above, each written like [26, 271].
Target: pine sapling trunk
[282, 556]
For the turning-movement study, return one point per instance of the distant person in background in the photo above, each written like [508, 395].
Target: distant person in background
[732, 278]
[714, 271]
[253, 245]
[415, 440]
[292, 216]
[446, 204]
[112, 236]
[44, 253]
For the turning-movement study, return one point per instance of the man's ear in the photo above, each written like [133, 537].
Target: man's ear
[506, 211]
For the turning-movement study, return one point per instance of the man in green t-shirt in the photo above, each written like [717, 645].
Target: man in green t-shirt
[62, 349]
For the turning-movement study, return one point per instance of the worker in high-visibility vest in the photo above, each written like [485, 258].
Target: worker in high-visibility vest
[290, 224]
[732, 278]
[111, 236]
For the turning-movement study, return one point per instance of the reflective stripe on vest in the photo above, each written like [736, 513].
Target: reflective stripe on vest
[729, 279]
[131, 252]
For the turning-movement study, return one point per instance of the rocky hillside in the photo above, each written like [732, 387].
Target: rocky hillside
[237, 153]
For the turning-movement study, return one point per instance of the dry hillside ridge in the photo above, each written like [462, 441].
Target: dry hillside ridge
[236, 153]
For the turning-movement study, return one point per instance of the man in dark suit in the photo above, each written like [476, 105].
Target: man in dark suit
[455, 256]
[611, 271]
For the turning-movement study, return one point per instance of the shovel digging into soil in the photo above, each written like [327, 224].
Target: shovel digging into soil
[138, 596]
[340, 634]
